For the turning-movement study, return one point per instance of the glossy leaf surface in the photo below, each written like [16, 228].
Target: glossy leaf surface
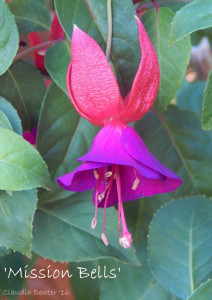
[9, 37]
[184, 225]
[57, 59]
[23, 86]
[11, 114]
[199, 15]
[172, 60]
[30, 16]
[207, 105]
[21, 166]
[16, 215]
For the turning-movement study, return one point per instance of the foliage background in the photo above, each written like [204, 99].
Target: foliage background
[171, 257]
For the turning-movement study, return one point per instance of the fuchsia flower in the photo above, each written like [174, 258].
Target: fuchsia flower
[118, 166]
[34, 40]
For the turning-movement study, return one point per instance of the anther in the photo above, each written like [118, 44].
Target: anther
[135, 184]
[96, 174]
[101, 197]
[108, 174]
[93, 223]
[105, 240]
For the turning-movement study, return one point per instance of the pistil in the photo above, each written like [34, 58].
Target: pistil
[125, 239]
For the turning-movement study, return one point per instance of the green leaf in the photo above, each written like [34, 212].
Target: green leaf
[132, 281]
[179, 239]
[15, 261]
[21, 166]
[173, 60]
[172, 4]
[62, 137]
[190, 96]
[4, 251]
[30, 16]
[207, 105]
[177, 141]
[62, 231]
[24, 87]
[4, 122]
[91, 16]
[16, 215]
[199, 15]
[11, 114]
[203, 292]
[57, 59]
[9, 37]
[93, 285]
[157, 291]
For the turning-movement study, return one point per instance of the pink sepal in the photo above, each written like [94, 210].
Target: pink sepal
[146, 82]
[91, 84]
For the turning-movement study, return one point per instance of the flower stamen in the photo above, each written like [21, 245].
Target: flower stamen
[93, 223]
[135, 184]
[136, 181]
[108, 174]
[101, 196]
[105, 240]
[96, 175]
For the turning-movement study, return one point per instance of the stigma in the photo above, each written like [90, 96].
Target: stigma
[106, 178]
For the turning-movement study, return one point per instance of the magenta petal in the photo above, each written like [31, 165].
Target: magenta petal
[138, 150]
[107, 148]
[31, 136]
[146, 187]
[81, 179]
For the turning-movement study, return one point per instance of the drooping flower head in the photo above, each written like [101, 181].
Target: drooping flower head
[118, 167]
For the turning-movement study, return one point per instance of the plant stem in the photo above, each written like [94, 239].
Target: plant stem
[156, 5]
[109, 29]
[37, 47]
[164, 2]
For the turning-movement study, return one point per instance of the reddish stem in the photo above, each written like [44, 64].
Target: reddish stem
[28, 51]
[156, 5]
